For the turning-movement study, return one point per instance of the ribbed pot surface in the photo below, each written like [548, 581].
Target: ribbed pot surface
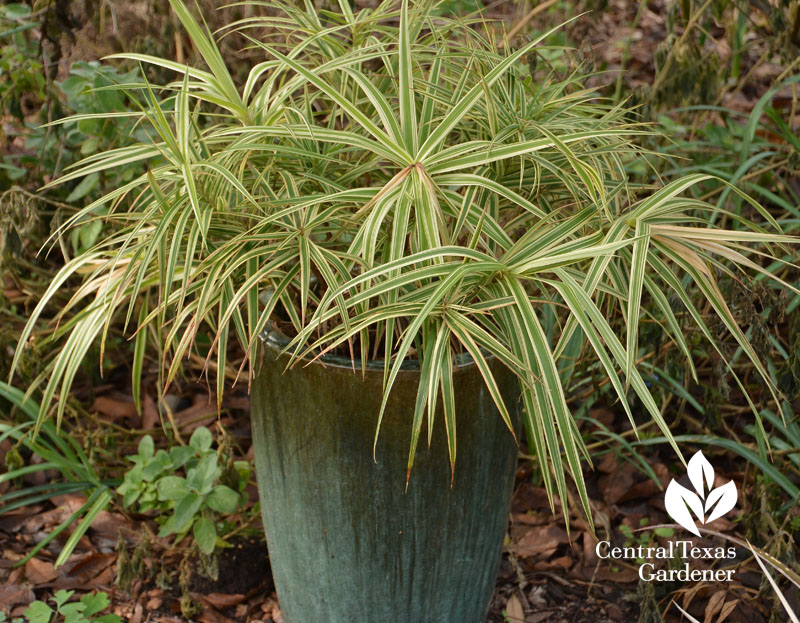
[347, 542]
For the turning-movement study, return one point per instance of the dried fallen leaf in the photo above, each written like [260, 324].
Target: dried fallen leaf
[614, 612]
[617, 575]
[40, 571]
[202, 412]
[603, 415]
[91, 565]
[589, 549]
[138, 613]
[13, 594]
[514, 610]
[528, 497]
[714, 605]
[16, 520]
[614, 486]
[689, 594]
[537, 596]
[108, 526]
[114, 408]
[210, 615]
[540, 541]
[608, 464]
[104, 578]
[150, 417]
[726, 610]
[154, 603]
[70, 502]
[221, 601]
[16, 576]
[562, 562]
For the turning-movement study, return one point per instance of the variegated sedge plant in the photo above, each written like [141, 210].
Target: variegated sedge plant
[390, 184]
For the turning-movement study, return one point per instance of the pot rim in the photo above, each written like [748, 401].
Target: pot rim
[278, 341]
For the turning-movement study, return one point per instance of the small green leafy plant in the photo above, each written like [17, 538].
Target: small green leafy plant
[92, 89]
[21, 73]
[643, 538]
[101, 119]
[190, 503]
[81, 611]
[93, 113]
[22, 78]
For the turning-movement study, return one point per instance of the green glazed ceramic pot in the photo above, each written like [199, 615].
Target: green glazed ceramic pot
[347, 542]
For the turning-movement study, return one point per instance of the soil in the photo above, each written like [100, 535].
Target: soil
[242, 569]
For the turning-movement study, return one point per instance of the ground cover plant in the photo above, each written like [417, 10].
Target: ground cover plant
[291, 165]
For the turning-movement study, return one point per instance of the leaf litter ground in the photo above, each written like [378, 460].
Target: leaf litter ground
[546, 574]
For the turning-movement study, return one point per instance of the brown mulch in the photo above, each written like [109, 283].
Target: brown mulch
[547, 574]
